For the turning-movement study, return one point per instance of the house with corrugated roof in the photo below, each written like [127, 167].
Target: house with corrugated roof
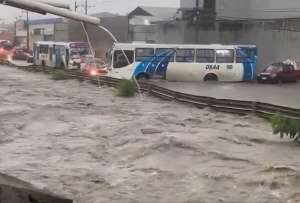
[143, 21]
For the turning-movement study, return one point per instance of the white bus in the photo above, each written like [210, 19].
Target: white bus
[59, 54]
[232, 63]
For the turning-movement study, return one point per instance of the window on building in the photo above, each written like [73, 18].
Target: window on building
[205, 56]
[163, 53]
[48, 37]
[144, 54]
[225, 55]
[185, 55]
[38, 31]
[120, 59]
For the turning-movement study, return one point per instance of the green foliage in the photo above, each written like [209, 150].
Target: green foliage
[127, 88]
[286, 127]
[59, 75]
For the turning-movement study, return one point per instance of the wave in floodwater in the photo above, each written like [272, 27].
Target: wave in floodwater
[85, 143]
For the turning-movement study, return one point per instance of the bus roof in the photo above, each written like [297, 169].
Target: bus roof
[56, 43]
[132, 46]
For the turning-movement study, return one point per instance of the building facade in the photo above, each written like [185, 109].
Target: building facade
[272, 25]
[55, 29]
[257, 9]
[63, 30]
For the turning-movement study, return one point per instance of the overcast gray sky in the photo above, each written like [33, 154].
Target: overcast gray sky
[114, 6]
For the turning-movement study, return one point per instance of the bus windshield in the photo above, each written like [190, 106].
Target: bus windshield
[79, 49]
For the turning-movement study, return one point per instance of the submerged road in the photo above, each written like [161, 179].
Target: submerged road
[278, 94]
[83, 142]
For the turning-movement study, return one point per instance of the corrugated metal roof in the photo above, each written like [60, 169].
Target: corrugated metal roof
[104, 15]
[159, 13]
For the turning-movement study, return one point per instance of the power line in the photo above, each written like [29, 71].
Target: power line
[86, 6]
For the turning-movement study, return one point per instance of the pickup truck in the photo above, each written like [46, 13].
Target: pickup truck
[279, 72]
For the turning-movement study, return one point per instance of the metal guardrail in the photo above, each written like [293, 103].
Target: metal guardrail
[223, 105]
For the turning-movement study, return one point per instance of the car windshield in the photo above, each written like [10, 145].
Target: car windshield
[274, 68]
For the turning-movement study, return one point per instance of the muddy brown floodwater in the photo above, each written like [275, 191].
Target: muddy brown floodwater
[85, 143]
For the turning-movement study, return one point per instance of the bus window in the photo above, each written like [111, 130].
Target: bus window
[225, 56]
[144, 54]
[205, 56]
[43, 49]
[120, 60]
[162, 53]
[185, 55]
[245, 55]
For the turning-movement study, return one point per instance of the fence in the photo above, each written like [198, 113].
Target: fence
[223, 105]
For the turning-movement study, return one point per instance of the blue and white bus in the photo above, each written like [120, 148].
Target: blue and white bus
[232, 63]
[59, 54]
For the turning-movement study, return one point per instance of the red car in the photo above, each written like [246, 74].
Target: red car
[6, 49]
[279, 72]
[93, 67]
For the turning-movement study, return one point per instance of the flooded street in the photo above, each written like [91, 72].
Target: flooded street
[286, 94]
[83, 142]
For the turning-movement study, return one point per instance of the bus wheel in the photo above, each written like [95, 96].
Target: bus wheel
[211, 77]
[142, 76]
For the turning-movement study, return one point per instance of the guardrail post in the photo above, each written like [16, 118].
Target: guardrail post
[254, 107]
[211, 102]
[176, 96]
[149, 88]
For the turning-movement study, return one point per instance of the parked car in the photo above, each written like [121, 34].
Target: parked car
[93, 66]
[22, 54]
[279, 72]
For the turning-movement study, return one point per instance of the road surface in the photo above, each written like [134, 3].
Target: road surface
[83, 142]
[280, 94]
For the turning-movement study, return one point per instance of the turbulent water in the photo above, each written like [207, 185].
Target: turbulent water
[285, 94]
[83, 142]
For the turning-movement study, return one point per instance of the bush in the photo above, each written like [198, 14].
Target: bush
[127, 88]
[59, 75]
[286, 127]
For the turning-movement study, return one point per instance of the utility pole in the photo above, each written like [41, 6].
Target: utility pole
[76, 6]
[86, 7]
[27, 28]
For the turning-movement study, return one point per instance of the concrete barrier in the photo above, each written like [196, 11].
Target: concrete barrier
[13, 190]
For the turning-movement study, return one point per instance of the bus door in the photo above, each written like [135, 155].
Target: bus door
[67, 58]
[247, 56]
[163, 56]
[35, 54]
[51, 56]
[59, 56]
